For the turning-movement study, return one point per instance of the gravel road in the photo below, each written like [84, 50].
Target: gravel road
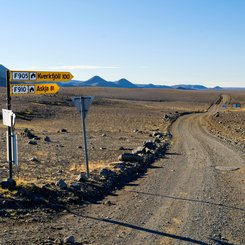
[186, 198]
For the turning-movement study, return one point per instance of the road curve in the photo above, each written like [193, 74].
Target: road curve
[183, 199]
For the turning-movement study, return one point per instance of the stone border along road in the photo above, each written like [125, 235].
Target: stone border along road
[184, 200]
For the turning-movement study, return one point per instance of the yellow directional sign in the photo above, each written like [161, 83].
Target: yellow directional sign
[40, 76]
[29, 89]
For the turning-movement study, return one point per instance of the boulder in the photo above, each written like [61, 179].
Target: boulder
[158, 134]
[82, 177]
[32, 142]
[69, 240]
[28, 134]
[129, 157]
[62, 184]
[75, 186]
[34, 159]
[107, 173]
[150, 145]
[47, 139]
[8, 184]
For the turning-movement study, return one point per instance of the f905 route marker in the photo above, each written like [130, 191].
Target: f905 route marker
[28, 89]
[39, 76]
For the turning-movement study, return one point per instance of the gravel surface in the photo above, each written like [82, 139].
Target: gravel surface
[183, 199]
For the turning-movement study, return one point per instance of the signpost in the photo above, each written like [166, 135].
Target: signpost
[26, 89]
[20, 89]
[40, 76]
[82, 104]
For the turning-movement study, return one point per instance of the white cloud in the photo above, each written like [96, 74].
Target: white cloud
[83, 67]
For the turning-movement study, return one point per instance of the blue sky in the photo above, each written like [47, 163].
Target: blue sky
[145, 41]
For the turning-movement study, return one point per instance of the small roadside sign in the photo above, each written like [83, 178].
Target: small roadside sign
[39, 76]
[22, 89]
[8, 117]
[82, 103]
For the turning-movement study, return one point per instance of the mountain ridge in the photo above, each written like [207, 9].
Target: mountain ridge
[98, 81]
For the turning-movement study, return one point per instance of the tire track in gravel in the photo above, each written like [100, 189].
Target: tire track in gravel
[182, 199]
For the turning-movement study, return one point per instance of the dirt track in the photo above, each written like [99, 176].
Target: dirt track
[183, 199]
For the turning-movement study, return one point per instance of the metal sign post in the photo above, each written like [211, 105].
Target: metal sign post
[83, 114]
[9, 132]
[20, 89]
[83, 103]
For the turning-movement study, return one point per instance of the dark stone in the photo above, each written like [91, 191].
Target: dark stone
[107, 173]
[62, 184]
[158, 134]
[47, 139]
[75, 186]
[34, 159]
[107, 203]
[69, 240]
[38, 200]
[32, 142]
[63, 130]
[129, 157]
[8, 184]
[82, 177]
[150, 145]
[29, 134]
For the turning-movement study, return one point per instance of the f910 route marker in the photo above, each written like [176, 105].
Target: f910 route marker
[39, 76]
[28, 89]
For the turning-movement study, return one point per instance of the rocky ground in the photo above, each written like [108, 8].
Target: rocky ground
[228, 124]
[49, 179]
[50, 136]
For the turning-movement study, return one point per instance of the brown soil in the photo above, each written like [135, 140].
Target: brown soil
[112, 124]
[228, 124]
[183, 199]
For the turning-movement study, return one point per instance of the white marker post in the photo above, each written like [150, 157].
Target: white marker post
[82, 104]
[12, 149]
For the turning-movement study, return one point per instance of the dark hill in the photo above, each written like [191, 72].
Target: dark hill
[190, 87]
[2, 76]
[124, 83]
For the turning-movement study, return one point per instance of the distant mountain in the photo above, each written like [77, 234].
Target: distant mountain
[183, 88]
[97, 81]
[217, 88]
[124, 83]
[2, 76]
[189, 87]
[150, 85]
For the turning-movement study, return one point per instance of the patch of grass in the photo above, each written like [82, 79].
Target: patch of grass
[7, 193]
[92, 166]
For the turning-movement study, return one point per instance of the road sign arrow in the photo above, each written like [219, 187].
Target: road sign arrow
[40, 76]
[46, 88]
[21, 89]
